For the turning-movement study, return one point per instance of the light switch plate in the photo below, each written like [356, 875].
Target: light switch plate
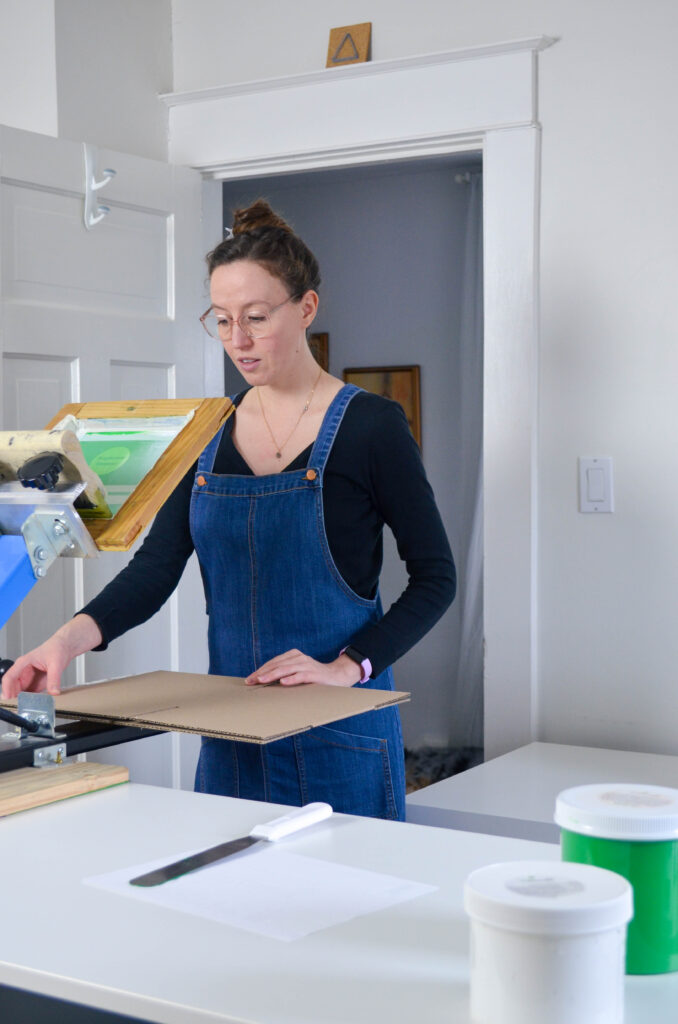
[596, 492]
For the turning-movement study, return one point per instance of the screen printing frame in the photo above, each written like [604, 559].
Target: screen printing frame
[209, 414]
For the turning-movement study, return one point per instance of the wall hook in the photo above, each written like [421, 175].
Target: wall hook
[94, 211]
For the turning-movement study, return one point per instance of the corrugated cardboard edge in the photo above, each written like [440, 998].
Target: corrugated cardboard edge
[151, 697]
[395, 697]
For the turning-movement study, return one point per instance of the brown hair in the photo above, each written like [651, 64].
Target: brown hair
[262, 236]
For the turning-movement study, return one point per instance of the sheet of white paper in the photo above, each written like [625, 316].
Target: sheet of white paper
[269, 891]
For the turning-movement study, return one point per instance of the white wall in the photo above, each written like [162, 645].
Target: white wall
[112, 60]
[27, 66]
[609, 262]
[88, 70]
[390, 243]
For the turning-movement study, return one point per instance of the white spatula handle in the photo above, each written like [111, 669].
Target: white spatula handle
[300, 818]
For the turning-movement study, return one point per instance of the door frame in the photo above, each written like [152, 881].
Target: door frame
[482, 99]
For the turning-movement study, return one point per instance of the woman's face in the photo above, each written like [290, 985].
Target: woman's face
[247, 287]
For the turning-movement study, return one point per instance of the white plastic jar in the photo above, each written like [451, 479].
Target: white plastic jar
[548, 943]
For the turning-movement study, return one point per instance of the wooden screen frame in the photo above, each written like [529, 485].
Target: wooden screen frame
[209, 414]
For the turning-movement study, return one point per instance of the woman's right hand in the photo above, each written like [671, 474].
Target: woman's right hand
[42, 668]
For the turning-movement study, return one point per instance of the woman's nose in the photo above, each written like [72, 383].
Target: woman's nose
[239, 339]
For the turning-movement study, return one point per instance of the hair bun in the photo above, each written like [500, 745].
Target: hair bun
[258, 215]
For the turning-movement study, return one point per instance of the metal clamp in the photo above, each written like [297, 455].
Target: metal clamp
[39, 709]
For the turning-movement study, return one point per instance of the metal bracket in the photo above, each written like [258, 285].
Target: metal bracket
[38, 708]
[48, 756]
[50, 533]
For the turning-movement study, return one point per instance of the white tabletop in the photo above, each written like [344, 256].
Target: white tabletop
[515, 794]
[405, 964]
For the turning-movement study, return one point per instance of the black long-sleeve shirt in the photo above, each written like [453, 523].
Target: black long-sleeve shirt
[374, 475]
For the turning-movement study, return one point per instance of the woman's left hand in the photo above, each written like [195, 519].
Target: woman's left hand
[294, 667]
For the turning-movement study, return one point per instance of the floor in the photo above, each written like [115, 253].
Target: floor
[427, 765]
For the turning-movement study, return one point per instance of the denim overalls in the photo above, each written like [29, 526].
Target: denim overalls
[271, 585]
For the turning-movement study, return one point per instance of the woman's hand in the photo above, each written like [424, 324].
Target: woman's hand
[42, 668]
[293, 668]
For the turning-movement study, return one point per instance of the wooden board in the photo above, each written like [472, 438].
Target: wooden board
[32, 787]
[209, 414]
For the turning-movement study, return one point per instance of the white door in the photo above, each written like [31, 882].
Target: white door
[88, 315]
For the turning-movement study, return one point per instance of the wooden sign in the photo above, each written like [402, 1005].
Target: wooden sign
[349, 44]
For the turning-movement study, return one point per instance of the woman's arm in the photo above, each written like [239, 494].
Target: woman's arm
[42, 668]
[394, 473]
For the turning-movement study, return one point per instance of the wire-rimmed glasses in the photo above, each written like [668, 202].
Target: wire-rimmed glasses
[255, 322]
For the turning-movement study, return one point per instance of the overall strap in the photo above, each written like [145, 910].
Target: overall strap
[330, 425]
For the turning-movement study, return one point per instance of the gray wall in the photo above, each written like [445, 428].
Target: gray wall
[389, 242]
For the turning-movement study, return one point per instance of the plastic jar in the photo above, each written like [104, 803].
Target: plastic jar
[547, 943]
[631, 829]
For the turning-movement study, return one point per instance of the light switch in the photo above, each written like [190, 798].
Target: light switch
[595, 484]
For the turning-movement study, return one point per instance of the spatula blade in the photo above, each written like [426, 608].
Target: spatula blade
[195, 861]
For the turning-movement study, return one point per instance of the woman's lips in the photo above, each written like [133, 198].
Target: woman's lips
[248, 364]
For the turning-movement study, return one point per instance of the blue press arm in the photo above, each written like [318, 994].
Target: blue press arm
[16, 574]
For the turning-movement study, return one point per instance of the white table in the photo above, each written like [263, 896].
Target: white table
[402, 965]
[515, 794]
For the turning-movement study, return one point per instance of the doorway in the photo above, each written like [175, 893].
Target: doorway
[399, 247]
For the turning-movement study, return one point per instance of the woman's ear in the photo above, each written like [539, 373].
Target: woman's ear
[309, 307]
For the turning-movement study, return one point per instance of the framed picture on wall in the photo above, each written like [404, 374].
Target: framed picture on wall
[401, 383]
[319, 345]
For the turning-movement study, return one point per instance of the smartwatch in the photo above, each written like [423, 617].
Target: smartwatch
[360, 659]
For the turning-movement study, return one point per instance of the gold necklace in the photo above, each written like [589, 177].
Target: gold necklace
[279, 447]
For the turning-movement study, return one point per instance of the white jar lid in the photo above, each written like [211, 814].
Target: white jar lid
[546, 897]
[620, 810]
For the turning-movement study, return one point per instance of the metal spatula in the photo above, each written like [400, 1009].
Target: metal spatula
[269, 832]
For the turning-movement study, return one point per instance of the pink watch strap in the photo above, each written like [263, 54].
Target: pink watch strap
[365, 665]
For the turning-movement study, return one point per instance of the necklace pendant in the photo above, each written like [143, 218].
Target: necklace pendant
[278, 455]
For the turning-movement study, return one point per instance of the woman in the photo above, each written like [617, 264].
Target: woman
[285, 509]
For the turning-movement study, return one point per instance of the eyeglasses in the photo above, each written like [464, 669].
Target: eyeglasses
[255, 323]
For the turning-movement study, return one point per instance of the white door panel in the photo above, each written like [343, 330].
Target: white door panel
[153, 380]
[90, 315]
[89, 270]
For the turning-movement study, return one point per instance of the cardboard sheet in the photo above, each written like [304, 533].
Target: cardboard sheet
[220, 706]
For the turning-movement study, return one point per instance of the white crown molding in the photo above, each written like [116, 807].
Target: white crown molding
[347, 156]
[369, 69]
[422, 106]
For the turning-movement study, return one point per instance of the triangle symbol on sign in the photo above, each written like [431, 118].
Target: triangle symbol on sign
[347, 44]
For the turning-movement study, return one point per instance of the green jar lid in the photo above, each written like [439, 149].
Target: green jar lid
[620, 810]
